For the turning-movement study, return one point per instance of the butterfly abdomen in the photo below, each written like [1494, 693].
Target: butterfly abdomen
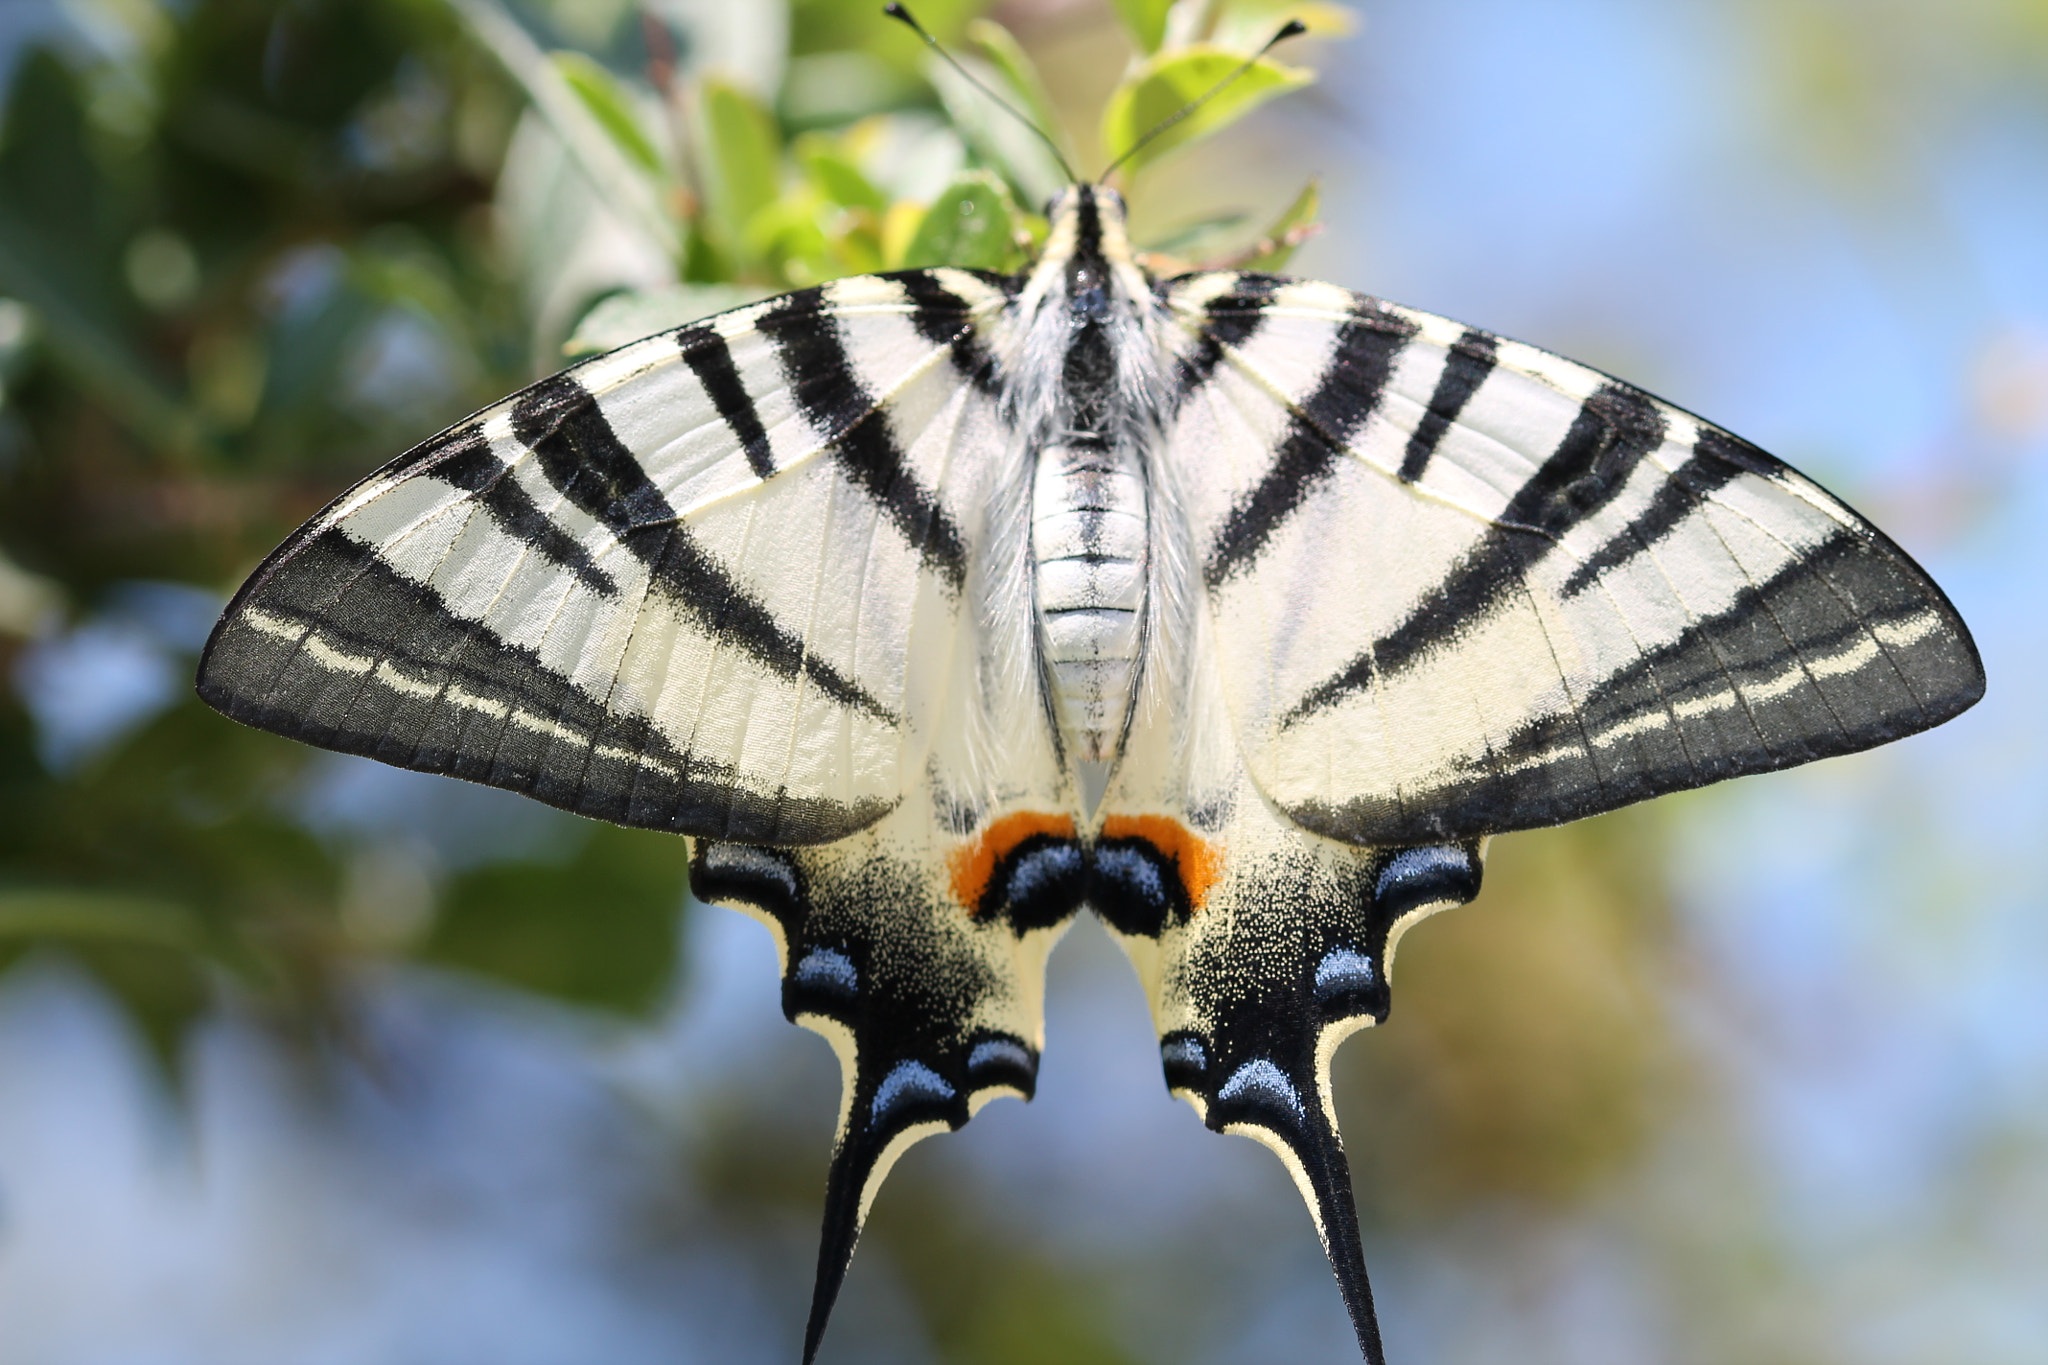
[1088, 534]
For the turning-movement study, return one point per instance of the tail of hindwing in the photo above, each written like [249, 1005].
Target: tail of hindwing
[921, 958]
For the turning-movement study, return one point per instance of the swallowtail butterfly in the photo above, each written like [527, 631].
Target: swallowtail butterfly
[934, 606]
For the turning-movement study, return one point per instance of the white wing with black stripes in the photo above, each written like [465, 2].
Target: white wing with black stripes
[711, 583]
[1464, 586]
[866, 586]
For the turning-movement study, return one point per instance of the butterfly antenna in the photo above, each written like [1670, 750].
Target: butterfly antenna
[1291, 29]
[896, 11]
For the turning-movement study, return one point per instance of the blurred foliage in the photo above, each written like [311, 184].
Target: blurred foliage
[1529, 1051]
[1866, 91]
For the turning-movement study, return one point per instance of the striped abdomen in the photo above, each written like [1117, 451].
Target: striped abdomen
[1088, 537]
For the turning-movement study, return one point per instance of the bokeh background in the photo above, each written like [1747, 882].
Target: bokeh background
[306, 1060]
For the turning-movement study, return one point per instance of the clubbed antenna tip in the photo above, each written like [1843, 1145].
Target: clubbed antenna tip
[1293, 28]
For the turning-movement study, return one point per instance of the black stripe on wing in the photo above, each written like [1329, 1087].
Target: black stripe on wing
[462, 458]
[1230, 319]
[943, 318]
[1717, 460]
[1471, 359]
[330, 645]
[565, 427]
[1613, 430]
[1318, 430]
[710, 359]
[1847, 647]
[831, 395]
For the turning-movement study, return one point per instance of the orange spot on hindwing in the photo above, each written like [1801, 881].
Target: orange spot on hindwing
[974, 862]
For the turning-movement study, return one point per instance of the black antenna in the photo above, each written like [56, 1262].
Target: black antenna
[896, 11]
[1292, 28]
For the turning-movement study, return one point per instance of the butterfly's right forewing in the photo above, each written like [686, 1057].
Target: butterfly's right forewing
[709, 583]
[1463, 586]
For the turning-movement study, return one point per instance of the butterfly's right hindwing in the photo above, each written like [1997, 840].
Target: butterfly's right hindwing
[709, 583]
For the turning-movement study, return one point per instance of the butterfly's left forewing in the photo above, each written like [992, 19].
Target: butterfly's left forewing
[1463, 586]
[670, 587]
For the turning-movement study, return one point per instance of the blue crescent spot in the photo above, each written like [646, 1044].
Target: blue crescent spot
[731, 858]
[827, 967]
[1132, 868]
[1421, 864]
[909, 1081]
[998, 1051]
[1261, 1079]
[1344, 969]
[1184, 1052]
[1042, 866]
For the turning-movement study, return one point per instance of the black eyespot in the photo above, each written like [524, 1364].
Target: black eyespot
[1136, 889]
[1037, 885]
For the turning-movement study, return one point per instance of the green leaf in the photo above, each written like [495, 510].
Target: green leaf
[64, 229]
[1018, 71]
[1170, 81]
[972, 224]
[1289, 230]
[999, 139]
[79, 913]
[610, 172]
[1193, 237]
[1146, 19]
[611, 105]
[741, 157]
[835, 175]
[597, 930]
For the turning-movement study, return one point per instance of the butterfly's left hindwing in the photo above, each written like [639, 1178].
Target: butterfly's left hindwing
[1463, 586]
[711, 583]
[918, 951]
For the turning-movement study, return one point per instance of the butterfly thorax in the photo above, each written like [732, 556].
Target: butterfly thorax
[1083, 400]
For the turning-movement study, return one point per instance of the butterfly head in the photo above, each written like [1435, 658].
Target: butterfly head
[1088, 251]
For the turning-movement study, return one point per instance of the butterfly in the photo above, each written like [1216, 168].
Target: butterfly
[938, 605]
